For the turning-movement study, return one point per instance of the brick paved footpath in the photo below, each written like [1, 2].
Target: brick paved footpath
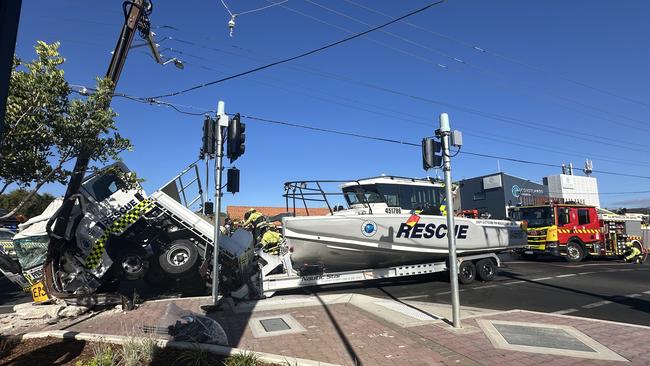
[346, 335]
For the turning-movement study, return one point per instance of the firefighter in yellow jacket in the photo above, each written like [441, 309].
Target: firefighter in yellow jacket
[633, 254]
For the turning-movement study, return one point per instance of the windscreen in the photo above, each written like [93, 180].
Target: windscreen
[408, 197]
[32, 251]
[535, 216]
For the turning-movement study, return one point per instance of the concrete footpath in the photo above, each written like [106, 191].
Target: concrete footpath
[361, 330]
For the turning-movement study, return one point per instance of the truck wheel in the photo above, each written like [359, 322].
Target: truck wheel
[574, 252]
[486, 270]
[133, 264]
[466, 272]
[179, 258]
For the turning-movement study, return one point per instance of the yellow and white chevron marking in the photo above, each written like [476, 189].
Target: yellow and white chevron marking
[119, 225]
[578, 231]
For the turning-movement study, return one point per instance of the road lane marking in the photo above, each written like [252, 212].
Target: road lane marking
[647, 292]
[412, 297]
[566, 275]
[586, 273]
[482, 287]
[634, 295]
[542, 279]
[565, 311]
[513, 283]
[596, 304]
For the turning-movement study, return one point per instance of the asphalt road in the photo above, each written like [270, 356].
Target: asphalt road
[11, 295]
[601, 289]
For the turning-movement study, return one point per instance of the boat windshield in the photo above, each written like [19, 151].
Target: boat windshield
[408, 197]
[535, 216]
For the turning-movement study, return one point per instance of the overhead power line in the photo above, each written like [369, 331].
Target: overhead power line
[304, 54]
[503, 81]
[486, 50]
[150, 101]
[408, 143]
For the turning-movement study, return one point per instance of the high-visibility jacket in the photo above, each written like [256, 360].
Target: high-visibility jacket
[634, 251]
[253, 218]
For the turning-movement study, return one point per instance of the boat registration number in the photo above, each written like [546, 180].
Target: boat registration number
[38, 292]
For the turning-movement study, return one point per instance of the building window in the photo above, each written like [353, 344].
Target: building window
[583, 216]
[479, 196]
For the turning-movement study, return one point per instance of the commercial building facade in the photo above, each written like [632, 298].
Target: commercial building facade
[492, 194]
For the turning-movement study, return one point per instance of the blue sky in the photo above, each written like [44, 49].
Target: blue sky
[534, 48]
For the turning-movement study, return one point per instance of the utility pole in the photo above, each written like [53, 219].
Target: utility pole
[444, 133]
[113, 73]
[222, 125]
[9, 16]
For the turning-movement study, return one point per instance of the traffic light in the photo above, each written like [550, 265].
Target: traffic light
[236, 138]
[430, 149]
[208, 146]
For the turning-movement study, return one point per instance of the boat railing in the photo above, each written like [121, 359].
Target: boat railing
[312, 191]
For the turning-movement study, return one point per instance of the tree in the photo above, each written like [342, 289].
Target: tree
[33, 206]
[46, 128]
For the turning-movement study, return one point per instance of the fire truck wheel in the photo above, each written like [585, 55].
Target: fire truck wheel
[179, 258]
[486, 270]
[574, 252]
[466, 272]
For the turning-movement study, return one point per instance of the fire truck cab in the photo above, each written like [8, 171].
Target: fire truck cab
[576, 231]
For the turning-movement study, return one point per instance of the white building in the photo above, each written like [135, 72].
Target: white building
[573, 188]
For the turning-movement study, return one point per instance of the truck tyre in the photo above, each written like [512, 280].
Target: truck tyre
[574, 252]
[466, 272]
[486, 269]
[133, 264]
[179, 258]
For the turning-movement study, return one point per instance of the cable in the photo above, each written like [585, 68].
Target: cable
[507, 58]
[408, 143]
[302, 54]
[504, 81]
[250, 11]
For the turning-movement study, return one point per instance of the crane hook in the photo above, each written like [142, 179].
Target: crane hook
[231, 25]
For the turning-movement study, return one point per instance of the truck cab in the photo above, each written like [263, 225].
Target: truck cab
[566, 230]
[576, 231]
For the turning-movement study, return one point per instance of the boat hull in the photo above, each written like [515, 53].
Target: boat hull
[350, 242]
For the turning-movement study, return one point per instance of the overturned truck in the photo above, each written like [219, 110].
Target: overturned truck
[393, 227]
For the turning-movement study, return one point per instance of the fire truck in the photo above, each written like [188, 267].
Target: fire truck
[576, 231]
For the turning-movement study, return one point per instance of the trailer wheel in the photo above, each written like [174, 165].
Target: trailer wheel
[179, 258]
[574, 252]
[486, 270]
[466, 272]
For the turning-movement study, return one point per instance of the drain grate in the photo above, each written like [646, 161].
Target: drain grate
[274, 324]
[552, 339]
[270, 326]
[533, 336]
[407, 310]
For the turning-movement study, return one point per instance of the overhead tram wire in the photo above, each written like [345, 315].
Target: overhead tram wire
[343, 133]
[304, 54]
[486, 50]
[408, 143]
[551, 129]
[504, 81]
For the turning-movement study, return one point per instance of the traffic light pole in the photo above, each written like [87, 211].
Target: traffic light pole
[222, 125]
[445, 131]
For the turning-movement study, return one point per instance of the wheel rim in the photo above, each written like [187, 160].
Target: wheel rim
[178, 256]
[573, 252]
[466, 272]
[487, 269]
[132, 264]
